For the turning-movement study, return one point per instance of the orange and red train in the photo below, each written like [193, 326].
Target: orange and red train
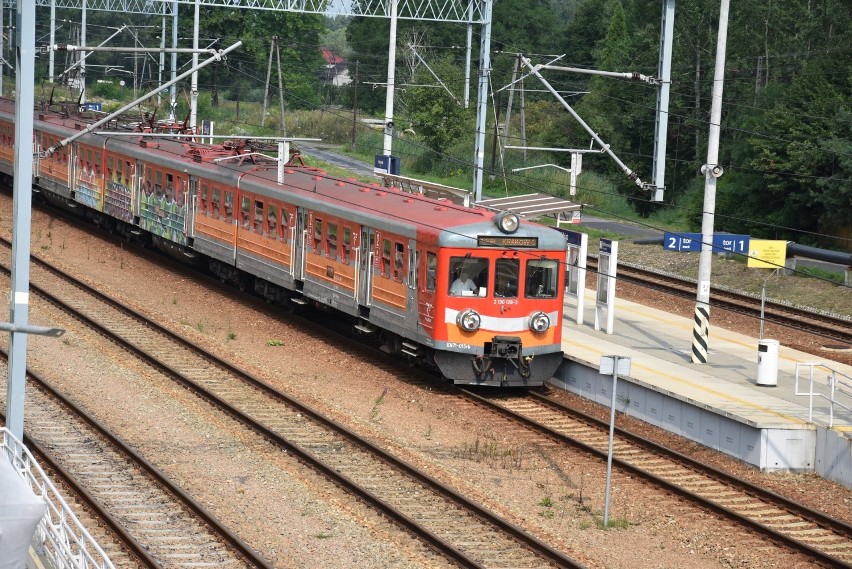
[386, 258]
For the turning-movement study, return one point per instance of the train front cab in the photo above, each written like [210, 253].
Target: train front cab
[505, 330]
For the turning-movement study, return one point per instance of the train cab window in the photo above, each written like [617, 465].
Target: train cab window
[229, 206]
[119, 171]
[318, 235]
[398, 252]
[258, 216]
[431, 271]
[331, 241]
[542, 278]
[468, 276]
[506, 273]
[347, 244]
[272, 221]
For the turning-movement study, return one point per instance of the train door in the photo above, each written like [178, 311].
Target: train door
[299, 244]
[191, 198]
[365, 262]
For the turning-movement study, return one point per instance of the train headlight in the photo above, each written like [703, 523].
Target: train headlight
[539, 322]
[469, 320]
[507, 222]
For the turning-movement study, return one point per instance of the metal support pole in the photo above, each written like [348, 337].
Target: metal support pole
[388, 139]
[712, 171]
[193, 95]
[482, 99]
[51, 56]
[664, 70]
[83, 53]
[611, 441]
[173, 91]
[22, 190]
[467, 56]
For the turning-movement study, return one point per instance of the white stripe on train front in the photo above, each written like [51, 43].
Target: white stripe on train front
[499, 324]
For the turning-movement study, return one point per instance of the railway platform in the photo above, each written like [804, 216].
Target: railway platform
[792, 421]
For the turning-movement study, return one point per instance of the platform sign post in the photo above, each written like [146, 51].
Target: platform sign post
[577, 244]
[615, 366]
[605, 296]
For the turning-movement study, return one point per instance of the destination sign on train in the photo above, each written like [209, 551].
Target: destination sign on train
[507, 241]
[692, 242]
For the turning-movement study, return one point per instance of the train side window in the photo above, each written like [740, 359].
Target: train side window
[258, 216]
[347, 244]
[386, 258]
[127, 172]
[204, 199]
[109, 167]
[413, 267]
[331, 240]
[431, 271]
[506, 273]
[318, 235]
[170, 187]
[284, 226]
[541, 278]
[398, 262]
[214, 202]
[229, 206]
[119, 171]
[244, 213]
[272, 221]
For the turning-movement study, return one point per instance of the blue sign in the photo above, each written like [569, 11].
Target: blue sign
[388, 164]
[606, 246]
[91, 106]
[571, 237]
[692, 242]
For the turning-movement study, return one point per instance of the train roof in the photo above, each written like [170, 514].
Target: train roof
[248, 166]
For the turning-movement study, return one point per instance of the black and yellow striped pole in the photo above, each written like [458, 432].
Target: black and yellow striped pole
[711, 171]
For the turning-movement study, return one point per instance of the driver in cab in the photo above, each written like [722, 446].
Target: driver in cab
[463, 284]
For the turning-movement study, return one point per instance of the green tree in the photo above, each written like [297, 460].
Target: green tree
[437, 116]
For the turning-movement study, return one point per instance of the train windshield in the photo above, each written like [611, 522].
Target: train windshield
[468, 276]
[542, 278]
[506, 273]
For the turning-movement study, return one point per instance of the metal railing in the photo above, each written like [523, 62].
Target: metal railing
[839, 386]
[60, 537]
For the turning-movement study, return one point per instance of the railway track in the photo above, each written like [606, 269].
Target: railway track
[135, 513]
[835, 332]
[459, 529]
[826, 540]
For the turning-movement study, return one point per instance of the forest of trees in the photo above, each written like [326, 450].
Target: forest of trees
[786, 123]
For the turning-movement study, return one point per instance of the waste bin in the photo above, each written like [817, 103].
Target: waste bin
[767, 362]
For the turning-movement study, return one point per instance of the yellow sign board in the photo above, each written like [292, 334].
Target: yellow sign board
[766, 253]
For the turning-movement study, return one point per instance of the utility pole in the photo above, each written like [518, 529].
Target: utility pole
[268, 77]
[354, 104]
[711, 171]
